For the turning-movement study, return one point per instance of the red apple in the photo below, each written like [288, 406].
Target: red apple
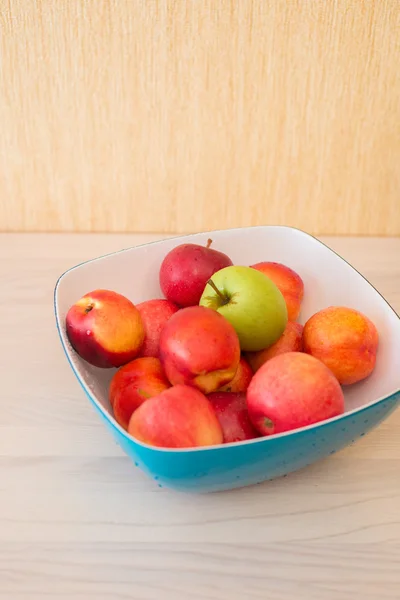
[154, 313]
[105, 329]
[199, 347]
[133, 384]
[186, 269]
[345, 340]
[241, 380]
[232, 414]
[293, 390]
[180, 417]
[289, 283]
[290, 341]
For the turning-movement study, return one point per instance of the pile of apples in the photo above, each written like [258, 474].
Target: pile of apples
[221, 359]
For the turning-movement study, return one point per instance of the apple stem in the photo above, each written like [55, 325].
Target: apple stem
[209, 242]
[268, 423]
[224, 299]
[144, 394]
[89, 308]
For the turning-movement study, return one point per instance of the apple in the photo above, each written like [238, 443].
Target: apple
[133, 384]
[345, 340]
[232, 414]
[241, 380]
[105, 329]
[198, 347]
[180, 417]
[250, 302]
[154, 313]
[293, 390]
[290, 341]
[288, 281]
[186, 269]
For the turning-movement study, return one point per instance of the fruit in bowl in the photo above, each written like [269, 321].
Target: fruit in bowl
[289, 283]
[250, 302]
[133, 384]
[291, 340]
[198, 347]
[188, 465]
[180, 417]
[155, 313]
[345, 340]
[186, 269]
[241, 380]
[293, 390]
[233, 416]
[105, 328]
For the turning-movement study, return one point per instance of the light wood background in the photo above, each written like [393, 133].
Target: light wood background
[175, 115]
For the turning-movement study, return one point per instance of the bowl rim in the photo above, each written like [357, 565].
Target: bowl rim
[263, 439]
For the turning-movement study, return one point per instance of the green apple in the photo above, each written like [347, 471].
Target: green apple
[251, 302]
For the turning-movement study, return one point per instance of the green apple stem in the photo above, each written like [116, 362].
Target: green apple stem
[268, 423]
[224, 299]
[144, 394]
[209, 242]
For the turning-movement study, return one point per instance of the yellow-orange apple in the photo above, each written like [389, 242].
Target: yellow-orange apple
[198, 347]
[155, 313]
[293, 390]
[290, 341]
[105, 328]
[133, 384]
[241, 380]
[288, 282]
[345, 340]
[180, 417]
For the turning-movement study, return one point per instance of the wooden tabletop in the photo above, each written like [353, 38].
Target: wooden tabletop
[78, 521]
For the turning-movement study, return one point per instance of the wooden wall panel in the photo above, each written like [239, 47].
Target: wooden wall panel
[175, 115]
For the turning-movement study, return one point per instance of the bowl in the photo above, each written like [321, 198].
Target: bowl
[329, 280]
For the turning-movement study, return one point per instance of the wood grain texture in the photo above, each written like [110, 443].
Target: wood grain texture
[121, 115]
[78, 521]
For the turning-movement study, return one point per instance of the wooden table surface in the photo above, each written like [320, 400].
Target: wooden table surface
[78, 521]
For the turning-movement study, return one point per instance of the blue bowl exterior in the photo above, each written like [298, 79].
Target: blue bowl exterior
[238, 465]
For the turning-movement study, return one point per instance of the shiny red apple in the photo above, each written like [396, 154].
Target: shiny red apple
[105, 329]
[199, 347]
[232, 414]
[180, 417]
[293, 390]
[155, 313]
[133, 384]
[186, 269]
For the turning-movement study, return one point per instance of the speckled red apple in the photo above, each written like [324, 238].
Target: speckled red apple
[293, 390]
[288, 282]
[198, 347]
[180, 417]
[232, 414]
[186, 269]
[133, 384]
[155, 313]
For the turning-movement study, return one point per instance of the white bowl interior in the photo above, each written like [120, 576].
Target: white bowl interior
[328, 280]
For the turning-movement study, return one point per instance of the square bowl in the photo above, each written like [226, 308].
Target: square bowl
[328, 279]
